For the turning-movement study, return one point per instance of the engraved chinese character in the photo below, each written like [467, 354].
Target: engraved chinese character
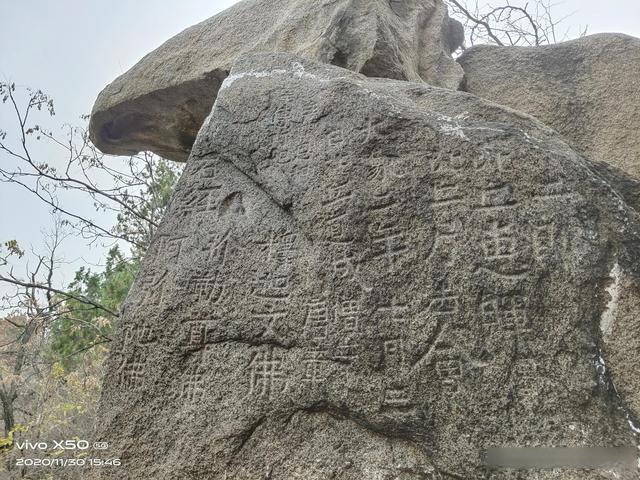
[382, 201]
[497, 198]
[174, 248]
[152, 288]
[446, 194]
[267, 377]
[344, 264]
[199, 333]
[450, 227]
[206, 288]
[376, 172]
[132, 374]
[449, 372]
[338, 230]
[269, 314]
[446, 302]
[316, 326]
[393, 352]
[280, 248]
[215, 247]
[396, 398]
[335, 139]
[284, 250]
[528, 381]
[384, 171]
[192, 388]
[272, 285]
[548, 238]
[315, 367]
[508, 311]
[396, 310]
[129, 335]
[448, 162]
[543, 239]
[204, 171]
[346, 352]
[146, 335]
[348, 316]
[171, 246]
[388, 242]
[499, 242]
[199, 199]
[493, 162]
[139, 335]
[447, 234]
[553, 190]
[337, 201]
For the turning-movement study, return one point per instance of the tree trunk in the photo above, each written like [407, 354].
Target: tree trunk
[7, 412]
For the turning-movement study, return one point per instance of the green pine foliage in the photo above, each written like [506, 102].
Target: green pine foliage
[79, 328]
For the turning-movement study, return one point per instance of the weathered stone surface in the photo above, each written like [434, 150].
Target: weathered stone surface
[370, 279]
[161, 102]
[586, 89]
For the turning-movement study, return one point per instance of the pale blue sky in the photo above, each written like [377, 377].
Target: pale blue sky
[72, 48]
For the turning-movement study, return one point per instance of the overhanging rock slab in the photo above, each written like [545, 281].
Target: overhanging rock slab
[160, 103]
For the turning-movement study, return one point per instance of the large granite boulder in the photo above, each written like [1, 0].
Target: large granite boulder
[586, 89]
[161, 102]
[367, 279]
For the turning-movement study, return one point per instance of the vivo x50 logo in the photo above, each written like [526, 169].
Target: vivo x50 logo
[56, 445]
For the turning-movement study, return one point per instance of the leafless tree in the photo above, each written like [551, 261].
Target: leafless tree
[33, 396]
[510, 22]
[124, 187]
[104, 199]
[32, 306]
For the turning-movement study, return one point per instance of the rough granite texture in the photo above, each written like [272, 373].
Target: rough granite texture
[161, 102]
[586, 89]
[366, 279]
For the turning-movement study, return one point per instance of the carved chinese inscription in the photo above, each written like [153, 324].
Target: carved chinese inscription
[198, 333]
[192, 388]
[449, 371]
[266, 374]
[504, 311]
[138, 335]
[336, 204]
[201, 197]
[316, 325]
[315, 367]
[445, 301]
[271, 286]
[152, 287]
[396, 398]
[334, 328]
[401, 280]
[132, 372]
[389, 242]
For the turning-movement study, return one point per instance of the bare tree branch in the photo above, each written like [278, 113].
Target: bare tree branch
[515, 23]
[129, 191]
[477, 21]
[50, 289]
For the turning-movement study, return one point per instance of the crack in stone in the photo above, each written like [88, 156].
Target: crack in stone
[344, 413]
[243, 438]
